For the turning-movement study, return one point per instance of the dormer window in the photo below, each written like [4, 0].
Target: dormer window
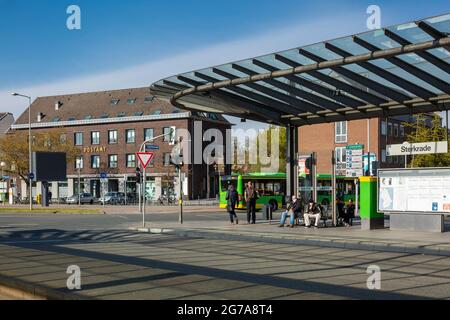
[105, 116]
[58, 105]
[115, 102]
[149, 99]
[121, 114]
[131, 101]
[40, 115]
[56, 119]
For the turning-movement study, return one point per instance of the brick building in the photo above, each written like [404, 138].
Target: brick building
[109, 128]
[324, 138]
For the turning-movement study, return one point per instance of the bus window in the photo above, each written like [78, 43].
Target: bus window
[227, 181]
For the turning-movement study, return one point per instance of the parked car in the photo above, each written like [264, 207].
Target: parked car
[113, 198]
[84, 199]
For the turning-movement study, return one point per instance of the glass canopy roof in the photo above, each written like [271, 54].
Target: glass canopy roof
[397, 70]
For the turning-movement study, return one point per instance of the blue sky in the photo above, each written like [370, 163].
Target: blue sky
[134, 43]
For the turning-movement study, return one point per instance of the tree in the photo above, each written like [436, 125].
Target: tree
[425, 129]
[266, 135]
[14, 149]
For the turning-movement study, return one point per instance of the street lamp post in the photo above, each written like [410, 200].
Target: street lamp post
[3, 164]
[30, 182]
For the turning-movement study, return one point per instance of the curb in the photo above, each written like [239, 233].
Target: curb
[329, 243]
[20, 289]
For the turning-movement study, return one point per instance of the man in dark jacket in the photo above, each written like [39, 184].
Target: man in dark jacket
[293, 211]
[232, 199]
[251, 196]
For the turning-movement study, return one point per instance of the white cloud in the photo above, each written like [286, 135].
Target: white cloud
[304, 33]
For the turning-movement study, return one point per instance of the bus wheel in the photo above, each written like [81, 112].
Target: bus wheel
[274, 205]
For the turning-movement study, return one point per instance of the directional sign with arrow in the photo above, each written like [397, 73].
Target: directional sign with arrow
[145, 158]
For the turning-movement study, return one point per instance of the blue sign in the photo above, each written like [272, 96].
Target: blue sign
[151, 147]
[104, 175]
[31, 176]
[435, 206]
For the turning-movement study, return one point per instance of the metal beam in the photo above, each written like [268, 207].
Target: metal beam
[338, 84]
[269, 102]
[241, 102]
[352, 103]
[433, 32]
[439, 63]
[377, 87]
[402, 83]
[419, 73]
[319, 104]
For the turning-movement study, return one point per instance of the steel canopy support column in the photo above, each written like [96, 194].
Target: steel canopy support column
[291, 151]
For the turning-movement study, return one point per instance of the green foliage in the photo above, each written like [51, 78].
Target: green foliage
[264, 135]
[426, 130]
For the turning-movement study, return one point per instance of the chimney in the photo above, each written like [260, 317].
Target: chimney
[58, 105]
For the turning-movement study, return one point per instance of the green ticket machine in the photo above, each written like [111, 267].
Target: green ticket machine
[370, 218]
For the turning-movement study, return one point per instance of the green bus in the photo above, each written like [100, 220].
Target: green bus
[345, 188]
[270, 186]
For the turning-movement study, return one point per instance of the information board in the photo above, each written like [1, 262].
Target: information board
[354, 160]
[414, 190]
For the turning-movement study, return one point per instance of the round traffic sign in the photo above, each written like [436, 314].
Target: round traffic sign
[103, 175]
[31, 176]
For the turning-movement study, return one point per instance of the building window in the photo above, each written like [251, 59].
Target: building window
[149, 99]
[113, 161]
[78, 138]
[383, 156]
[95, 162]
[396, 130]
[169, 134]
[383, 128]
[341, 132]
[115, 102]
[131, 161]
[95, 137]
[390, 129]
[131, 101]
[402, 131]
[341, 154]
[112, 137]
[166, 159]
[131, 135]
[79, 163]
[148, 134]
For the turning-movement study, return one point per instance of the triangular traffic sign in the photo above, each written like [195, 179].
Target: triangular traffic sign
[145, 158]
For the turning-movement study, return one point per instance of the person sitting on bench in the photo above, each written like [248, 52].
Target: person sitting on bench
[314, 211]
[293, 210]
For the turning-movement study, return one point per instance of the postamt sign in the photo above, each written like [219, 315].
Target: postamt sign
[406, 148]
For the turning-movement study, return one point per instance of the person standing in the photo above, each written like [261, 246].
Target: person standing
[341, 210]
[250, 196]
[348, 221]
[232, 199]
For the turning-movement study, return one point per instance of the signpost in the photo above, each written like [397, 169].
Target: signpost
[407, 148]
[355, 164]
[103, 177]
[145, 158]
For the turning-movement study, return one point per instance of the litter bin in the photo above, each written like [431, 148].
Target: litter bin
[267, 212]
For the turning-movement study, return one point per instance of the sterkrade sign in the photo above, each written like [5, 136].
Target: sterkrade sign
[407, 149]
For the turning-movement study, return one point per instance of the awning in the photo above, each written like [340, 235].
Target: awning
[400, 70]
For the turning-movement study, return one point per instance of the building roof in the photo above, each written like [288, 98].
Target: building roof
[403, 69]
[105, 105]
